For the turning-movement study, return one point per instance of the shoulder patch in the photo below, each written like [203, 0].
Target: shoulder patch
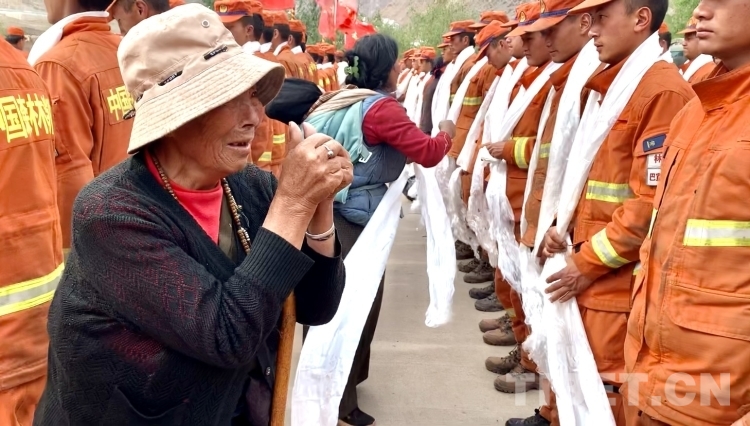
[654, 142]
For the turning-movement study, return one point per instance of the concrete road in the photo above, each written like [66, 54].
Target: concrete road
[431, 377]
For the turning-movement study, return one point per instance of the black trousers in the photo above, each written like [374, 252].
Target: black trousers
[348, 233]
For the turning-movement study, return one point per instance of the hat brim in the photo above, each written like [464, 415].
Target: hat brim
[230, 19]
[688, 31]
[478, 26]
[443, 46]
[205, 92]
[519, 31]
[588, 6]
[510, 24]
[542, 24]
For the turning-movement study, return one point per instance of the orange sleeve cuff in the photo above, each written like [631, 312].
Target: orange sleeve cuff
[588, 263]
[508, 149]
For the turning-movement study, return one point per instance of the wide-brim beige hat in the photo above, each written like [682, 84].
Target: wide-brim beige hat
[183, 63]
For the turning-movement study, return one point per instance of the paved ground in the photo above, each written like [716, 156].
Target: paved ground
[423, 376]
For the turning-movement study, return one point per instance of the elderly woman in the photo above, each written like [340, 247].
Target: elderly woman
[379, 136]
[182, 255]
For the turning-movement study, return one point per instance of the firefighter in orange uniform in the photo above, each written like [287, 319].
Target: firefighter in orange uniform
[128, 13]
[31, 252]
[613, 213]
[280, 43]
[516, 152]
[462, 39]
[243, 18]
[698, 65]
[16, 37]
[296, 42]
[89, 100]
[688, 335]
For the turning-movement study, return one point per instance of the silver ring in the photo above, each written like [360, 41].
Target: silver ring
[330, 152]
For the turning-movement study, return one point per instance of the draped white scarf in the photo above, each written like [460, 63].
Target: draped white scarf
[695, 65]
[442, 98]
[560, 346]
[455, 110]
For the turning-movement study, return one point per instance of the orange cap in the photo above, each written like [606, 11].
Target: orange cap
[663, 28]
[691, 24]
[446, 42]
[15, 31]
[527, 17]
[489, 16]
[587, 6]
[491, 32]
[552, 12]
[427, 53]
[312, 49]
[279, 17]
[233, 10]
[296, 26]
[267, 18]
[328, 49]
[408, 53]
[459, 27]
[175, 3]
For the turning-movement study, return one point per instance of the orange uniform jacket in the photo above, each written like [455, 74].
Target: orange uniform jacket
[478, 87]
[614, 211]
[261, 148]
[534, 202]
[312, 68]
[287, 59]
[89, 104]
[691, 303]
[517, 151]
[461, 75]
[31, 260]
[702, 73]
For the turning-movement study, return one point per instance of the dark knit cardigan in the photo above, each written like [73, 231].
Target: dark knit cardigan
[153, 324]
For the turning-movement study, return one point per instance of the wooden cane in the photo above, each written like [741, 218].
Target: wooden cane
[283, 362]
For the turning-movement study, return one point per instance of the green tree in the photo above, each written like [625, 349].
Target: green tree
[679, 14]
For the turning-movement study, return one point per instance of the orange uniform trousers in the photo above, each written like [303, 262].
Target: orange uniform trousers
[17, 404]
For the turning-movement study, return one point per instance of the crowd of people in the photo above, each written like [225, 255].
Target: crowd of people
[171, 209]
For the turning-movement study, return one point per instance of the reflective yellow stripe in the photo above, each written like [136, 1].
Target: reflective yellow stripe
[637, 269]
[605, 252]
[452, 97]
[27, 294]
[320, 83]
[278, 139]
[519, 152]
[716, 233]
[266, 156]
[544, 150]
[653, 219]
[608, 192]
[472, 101]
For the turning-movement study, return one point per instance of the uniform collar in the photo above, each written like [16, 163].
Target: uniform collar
[265, 47]
[603, 78]
[86, 23]
[560, 76]
[297, 50]
[723, 87]
[280, 48]
[251, 47]
[529, 77]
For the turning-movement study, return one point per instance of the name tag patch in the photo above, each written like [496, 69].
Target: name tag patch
[653, 169]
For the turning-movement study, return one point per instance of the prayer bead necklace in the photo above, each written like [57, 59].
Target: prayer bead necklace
[233, 206]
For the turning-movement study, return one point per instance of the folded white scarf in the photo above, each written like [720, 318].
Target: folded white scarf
[404, 85]
[696, 64]
[562, 347]
[54, 34]
[420, 98]
[410, 100]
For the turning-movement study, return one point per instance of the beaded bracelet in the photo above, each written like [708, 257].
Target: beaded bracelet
[324, 236]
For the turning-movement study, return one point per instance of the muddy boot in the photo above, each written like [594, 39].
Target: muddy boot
[463, 251]
[482, 293]
[486, 325]
[481, 274]
[535, 420]
[489, 304]
[468, 266]
[505, 364]
[519, 380]
[502, 336]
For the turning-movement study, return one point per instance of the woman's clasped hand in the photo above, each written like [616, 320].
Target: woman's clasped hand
[316, 167]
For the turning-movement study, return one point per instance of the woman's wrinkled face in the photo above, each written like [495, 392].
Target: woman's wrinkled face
[219, 140]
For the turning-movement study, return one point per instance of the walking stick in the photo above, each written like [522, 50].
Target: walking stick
[283, 362]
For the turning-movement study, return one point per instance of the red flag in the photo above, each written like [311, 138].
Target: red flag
[346, 14]
[278, 4]
[357, 31]
[326, 26]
